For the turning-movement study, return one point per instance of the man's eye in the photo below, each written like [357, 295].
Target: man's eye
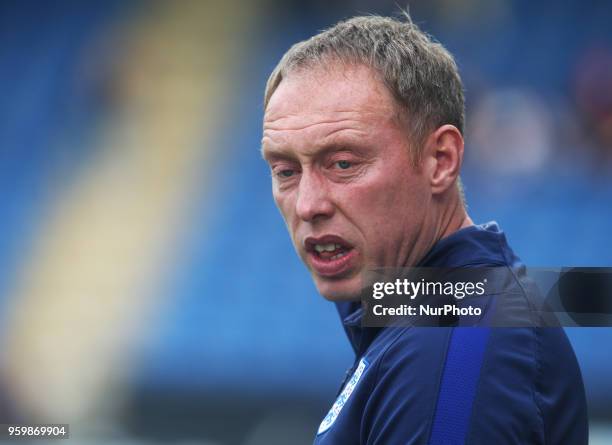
[286, 173]
[343, 164]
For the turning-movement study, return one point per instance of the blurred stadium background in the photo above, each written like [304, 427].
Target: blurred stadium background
[148, 290]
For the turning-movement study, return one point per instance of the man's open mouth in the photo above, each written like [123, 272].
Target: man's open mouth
[329, 255]
[330, 251]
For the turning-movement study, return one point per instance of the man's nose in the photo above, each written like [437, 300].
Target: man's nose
[313, 200]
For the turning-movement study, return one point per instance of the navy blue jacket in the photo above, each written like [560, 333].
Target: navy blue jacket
[456, 385]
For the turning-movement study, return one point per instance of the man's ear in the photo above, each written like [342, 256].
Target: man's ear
[443, 157]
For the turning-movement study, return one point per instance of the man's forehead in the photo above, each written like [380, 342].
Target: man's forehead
[330, 89]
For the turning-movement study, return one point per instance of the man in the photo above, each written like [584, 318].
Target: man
[363, 133]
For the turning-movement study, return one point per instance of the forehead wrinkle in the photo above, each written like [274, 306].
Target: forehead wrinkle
[325, 114]
[329, 129]
[309, 125]
[335, 136]
[363, 117]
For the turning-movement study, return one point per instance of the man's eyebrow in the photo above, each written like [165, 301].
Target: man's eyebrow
[341, 146]
[269, 154]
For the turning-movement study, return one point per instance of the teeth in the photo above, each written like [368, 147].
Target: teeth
[340, 255]
[326, 247]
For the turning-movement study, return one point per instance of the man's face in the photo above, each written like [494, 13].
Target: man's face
[342, 176]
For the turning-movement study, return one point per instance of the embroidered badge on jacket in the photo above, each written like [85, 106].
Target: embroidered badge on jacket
[331, 416]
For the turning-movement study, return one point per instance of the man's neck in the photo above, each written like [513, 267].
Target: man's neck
[454, 217]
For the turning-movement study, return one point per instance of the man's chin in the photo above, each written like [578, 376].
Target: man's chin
[341, 289]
